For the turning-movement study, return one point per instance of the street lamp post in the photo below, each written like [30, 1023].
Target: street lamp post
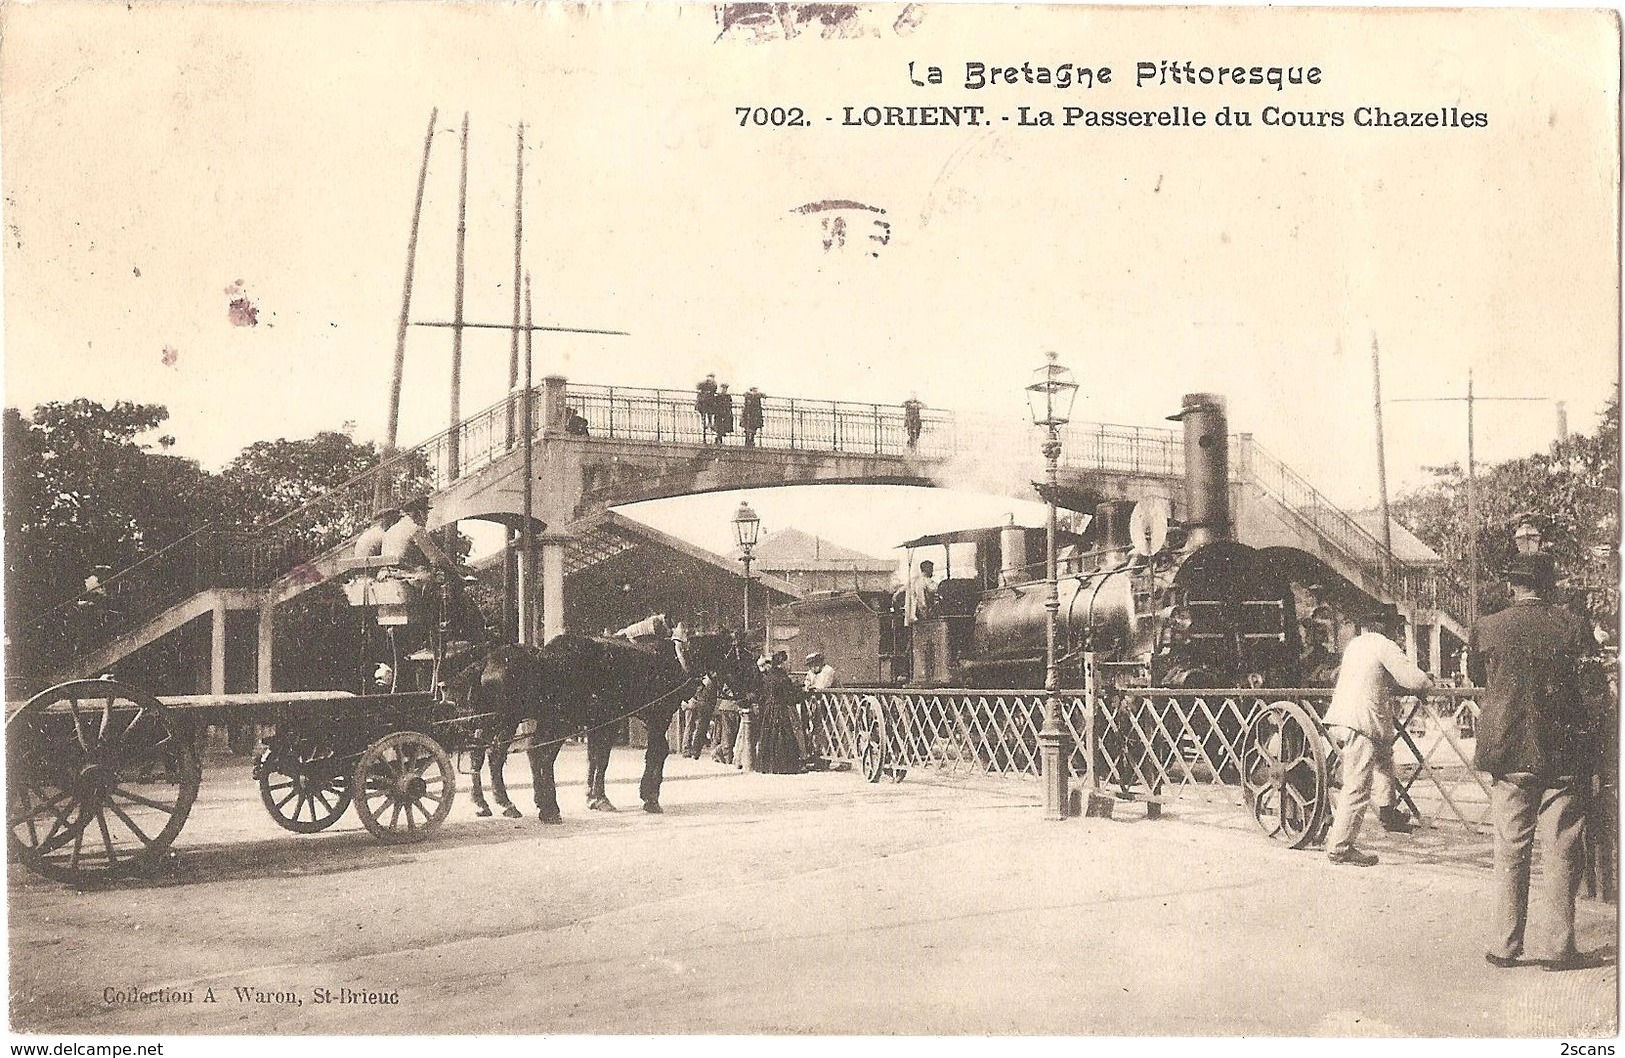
[747, 527]
[1050, 396]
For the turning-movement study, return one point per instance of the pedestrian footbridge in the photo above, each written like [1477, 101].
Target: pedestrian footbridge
[643, 444]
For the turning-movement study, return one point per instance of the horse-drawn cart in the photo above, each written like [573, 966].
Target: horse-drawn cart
[100, 776]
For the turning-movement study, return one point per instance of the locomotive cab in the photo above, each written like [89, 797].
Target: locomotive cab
[941, 640]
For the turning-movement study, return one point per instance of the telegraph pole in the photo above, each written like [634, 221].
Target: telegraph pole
[1472, 486]
[1382, 459]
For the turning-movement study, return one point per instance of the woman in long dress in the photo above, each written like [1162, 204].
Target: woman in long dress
[779, 751]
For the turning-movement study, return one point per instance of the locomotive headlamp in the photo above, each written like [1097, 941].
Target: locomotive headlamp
[747, 526]
[1051, 393]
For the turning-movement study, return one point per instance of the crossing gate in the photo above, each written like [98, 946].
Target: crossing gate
[1262, 749]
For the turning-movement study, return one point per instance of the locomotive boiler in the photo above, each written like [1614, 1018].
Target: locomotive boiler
[1159, 600]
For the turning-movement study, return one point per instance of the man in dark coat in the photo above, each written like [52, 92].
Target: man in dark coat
[705, 399]
[722, 412]
[1537, 741]
[750, 418]
[913, 423]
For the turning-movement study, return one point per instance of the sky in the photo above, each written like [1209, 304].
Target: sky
[160, 162]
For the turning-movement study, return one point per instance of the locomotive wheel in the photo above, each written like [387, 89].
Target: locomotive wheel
[1285, 775]
[100, 778]
[304, 786]
[403, 787]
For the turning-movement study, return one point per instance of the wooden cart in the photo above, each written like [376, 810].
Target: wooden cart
[101, 776]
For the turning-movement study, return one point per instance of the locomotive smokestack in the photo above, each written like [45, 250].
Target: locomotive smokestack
[1112, 537]
[1207, 467]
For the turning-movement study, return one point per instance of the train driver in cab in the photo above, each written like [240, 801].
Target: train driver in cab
[922, 594]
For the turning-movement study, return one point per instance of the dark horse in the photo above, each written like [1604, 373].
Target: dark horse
[592, 683]
[580, 684]
[496, 693]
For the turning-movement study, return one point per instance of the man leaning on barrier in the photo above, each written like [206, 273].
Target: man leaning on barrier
[1537, 741]
[1361, 721]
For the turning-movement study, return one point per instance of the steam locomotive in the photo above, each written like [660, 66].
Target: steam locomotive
[1161, 601]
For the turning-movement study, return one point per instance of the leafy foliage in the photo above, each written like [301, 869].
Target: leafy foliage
[87, 486]
[1573, 489]
[91, 490]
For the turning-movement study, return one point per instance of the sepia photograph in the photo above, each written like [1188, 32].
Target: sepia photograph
[810, 521]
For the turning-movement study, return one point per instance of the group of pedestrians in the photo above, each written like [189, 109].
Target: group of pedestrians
[1538, 733]
[764, 727]
[715, 407]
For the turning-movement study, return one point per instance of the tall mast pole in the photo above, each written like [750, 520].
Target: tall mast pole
[518, 253]
[527, 534]
[512, 609]
[1382, 458]
[453, 442]
[393, 429]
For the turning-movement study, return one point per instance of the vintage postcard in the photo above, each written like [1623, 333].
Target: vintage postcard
[809, 520]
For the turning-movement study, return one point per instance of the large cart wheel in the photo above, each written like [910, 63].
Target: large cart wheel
[100, 778]
[1285, 774]
[403, 787]
[304, 784]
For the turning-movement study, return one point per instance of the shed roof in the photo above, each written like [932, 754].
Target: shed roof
[794, 549]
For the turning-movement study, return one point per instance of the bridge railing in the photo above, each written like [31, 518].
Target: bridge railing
[670, 416]
[788, 423]
[1131, 449]
[1331, 522]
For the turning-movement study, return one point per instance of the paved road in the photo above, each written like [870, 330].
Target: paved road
[789, 904]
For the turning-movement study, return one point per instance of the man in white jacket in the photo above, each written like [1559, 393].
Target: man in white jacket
[1361, 721]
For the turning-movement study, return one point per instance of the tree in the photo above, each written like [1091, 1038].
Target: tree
[1573, 489]
[88, 490]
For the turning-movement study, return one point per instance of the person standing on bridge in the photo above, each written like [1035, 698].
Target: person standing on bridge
[705, 399]
[722, 413]
[1537, 739]
[750, 417]
[1361, 721]
[913, 423]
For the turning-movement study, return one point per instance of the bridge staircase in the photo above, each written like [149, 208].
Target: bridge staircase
[214, 570]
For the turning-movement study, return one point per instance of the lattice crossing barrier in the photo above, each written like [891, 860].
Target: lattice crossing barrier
[1159, 744]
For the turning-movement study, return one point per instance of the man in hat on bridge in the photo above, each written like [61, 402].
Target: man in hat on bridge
[1537, 740]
